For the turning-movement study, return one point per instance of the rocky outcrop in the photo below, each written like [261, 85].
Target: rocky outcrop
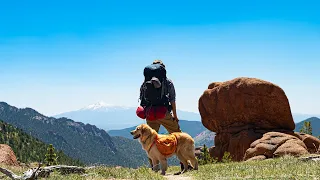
[245, 103]
[7, 156]
[242, 111]
[274, 144]
[312, 143]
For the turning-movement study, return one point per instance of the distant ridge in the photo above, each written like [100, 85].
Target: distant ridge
[315, 123]
[78, 140]
[113, 117]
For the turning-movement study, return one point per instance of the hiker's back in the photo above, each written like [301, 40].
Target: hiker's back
[154, 86]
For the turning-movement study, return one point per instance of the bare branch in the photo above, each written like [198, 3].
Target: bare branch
[44, 172]
[10, 174]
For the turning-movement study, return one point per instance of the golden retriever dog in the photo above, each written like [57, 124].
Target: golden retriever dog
[185, 149]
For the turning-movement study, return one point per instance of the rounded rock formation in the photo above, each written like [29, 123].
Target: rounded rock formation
[240, 111]
[242, 102]
[274, 144]
[312, 143]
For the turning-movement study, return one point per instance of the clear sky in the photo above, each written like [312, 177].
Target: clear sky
[57, 56]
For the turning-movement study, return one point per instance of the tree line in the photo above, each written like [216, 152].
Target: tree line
[29, 149]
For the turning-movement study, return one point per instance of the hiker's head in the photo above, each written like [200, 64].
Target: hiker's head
[158, 62]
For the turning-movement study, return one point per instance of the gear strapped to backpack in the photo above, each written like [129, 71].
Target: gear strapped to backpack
[154, 98]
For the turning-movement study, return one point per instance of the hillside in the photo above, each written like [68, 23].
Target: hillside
[80, 141]
[193, 128]
[206, 137]
[27, 148]
[315, 123]
[111, 117]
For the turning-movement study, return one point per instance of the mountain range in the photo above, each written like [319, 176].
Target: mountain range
[85, 142]
[110, 117]
[92, 145]
[27, 148]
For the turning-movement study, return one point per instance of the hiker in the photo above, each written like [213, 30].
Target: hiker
[158, 99]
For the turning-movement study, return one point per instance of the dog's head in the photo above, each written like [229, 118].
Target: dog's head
[142, 131]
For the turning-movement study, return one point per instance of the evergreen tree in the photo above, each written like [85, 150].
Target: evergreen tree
[205, 156]
[306, 128]
[51, 157]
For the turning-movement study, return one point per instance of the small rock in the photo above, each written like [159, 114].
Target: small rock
[310, 158]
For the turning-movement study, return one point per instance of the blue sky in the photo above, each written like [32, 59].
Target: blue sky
[62, 55]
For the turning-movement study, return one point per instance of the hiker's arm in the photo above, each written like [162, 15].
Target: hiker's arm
[174, 110]
[172, 99]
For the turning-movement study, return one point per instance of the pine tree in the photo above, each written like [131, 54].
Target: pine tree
[306, 128]
[51, 157]
[205, 156]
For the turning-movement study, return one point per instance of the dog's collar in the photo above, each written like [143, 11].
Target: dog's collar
[153, 142]
[146, 139]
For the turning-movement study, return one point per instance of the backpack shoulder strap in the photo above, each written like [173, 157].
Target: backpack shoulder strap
[166, 86]
[142, 94]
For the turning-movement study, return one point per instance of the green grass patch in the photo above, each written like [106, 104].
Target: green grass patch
[282, 168]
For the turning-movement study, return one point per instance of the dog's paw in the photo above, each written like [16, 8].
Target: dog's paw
[178, 173]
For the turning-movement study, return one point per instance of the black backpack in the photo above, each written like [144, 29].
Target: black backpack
[152, 96]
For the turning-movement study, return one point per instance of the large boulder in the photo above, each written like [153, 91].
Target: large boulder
[245, 101]
[240, 111]
[7, 156]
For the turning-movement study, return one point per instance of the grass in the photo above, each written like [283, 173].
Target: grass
[98, 173]
[282, 168]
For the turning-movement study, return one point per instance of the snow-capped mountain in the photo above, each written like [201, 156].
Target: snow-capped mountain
[102, 106]
[111, 117]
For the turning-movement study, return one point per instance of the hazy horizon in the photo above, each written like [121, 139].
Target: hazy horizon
[61, 56]
[298, 117]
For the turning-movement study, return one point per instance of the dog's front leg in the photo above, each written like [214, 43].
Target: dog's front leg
[155, 165]
[164, 166]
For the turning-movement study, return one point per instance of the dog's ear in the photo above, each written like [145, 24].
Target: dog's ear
[142, 130]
